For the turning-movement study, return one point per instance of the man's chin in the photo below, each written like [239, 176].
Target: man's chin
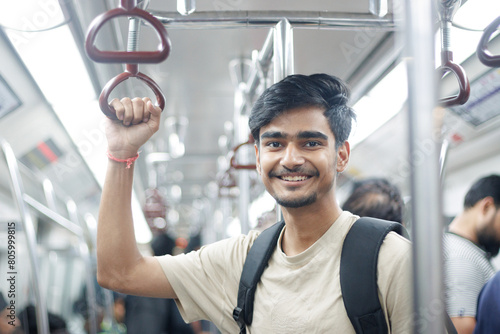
[293, 203]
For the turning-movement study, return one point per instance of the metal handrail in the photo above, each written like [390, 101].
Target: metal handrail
[89, 275]
[425, 183]
[269, 19]
[483, 53]
[53, 216]
[29, 231]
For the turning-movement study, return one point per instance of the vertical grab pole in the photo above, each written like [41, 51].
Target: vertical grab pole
[89, 275]
[283, 50]
[29, 231]
[282, 59]
[427, 253]
[241, 134]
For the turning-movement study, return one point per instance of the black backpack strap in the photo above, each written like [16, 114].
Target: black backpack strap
[255, 263]
[358, 273]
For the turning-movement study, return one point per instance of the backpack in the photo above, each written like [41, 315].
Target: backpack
[358, 283]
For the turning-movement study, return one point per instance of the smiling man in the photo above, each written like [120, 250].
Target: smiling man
[300, 126]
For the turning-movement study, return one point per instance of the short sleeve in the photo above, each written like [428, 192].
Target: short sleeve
[206, 281]
[463, 283]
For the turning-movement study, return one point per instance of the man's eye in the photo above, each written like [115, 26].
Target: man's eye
[273, 144]
[312, 143]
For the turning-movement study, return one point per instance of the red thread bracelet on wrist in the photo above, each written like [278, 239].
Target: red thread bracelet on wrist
[129, 161]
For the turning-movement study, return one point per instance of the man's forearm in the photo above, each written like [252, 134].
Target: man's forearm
[116, 245]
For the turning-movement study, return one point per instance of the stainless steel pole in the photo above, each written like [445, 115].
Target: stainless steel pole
[268, 19]
[283, 50]
[425, 183]
[282, 60]
[29, 231]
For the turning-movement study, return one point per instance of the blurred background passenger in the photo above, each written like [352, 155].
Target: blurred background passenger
[472, 239]
[377, 198]
[57, 325]
[488, 307]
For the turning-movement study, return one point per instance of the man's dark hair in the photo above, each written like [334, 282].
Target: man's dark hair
[295, 91]
[376, 198]
[484, 187]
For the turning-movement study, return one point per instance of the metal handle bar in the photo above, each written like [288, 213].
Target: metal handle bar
[233, 163]
[127, 8]
[131, 72]
[483, 53]
[28, 227]
[463, 82]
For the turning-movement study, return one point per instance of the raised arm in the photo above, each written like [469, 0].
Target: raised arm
[120, 265]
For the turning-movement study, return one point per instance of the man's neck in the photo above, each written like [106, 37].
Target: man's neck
[463, 225]
[304, 226]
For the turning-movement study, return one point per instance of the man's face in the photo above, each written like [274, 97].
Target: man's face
[488, 236]
[297, 160]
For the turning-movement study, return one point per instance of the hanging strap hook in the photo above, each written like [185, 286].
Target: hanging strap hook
[130, 72]
[233, 162]
[127, 8]
[131, 57]
[483, 53]
[447, 9]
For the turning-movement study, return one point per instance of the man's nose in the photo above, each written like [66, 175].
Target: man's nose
[292, 157]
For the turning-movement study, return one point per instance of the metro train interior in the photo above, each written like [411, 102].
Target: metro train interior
[195, 180]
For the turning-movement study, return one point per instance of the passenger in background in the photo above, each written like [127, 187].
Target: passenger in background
[155, 315]
[377, 198]
[57, 325]
[472, 238]
[488, 307]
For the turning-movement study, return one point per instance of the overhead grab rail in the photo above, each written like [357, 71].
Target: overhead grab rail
[131, 57]
[447, 9]
[268, 19]
[483, 53]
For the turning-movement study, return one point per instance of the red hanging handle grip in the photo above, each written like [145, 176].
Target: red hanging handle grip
[463, 82]
[131, 72]
[129, 57]
[483, 53]
[233, 162]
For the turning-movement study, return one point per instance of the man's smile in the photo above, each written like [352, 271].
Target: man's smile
[294, 178]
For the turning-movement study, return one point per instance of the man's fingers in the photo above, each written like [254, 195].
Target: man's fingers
[135, 111]
[119, 109]
[155, 112]
[128, 115]
[139, 110]
[147, 113]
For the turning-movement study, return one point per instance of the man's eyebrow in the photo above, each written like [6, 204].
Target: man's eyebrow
[312, 134]
[273, 134]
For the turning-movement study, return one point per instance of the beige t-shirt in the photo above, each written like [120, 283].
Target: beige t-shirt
[296, 294]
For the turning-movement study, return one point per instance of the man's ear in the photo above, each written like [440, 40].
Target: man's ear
[487, 205]
[343, 154]
[257, 158]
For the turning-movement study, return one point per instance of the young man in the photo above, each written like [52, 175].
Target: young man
[300, 126]
[473, 237]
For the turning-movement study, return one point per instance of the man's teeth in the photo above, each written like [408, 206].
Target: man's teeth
[294, 178]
